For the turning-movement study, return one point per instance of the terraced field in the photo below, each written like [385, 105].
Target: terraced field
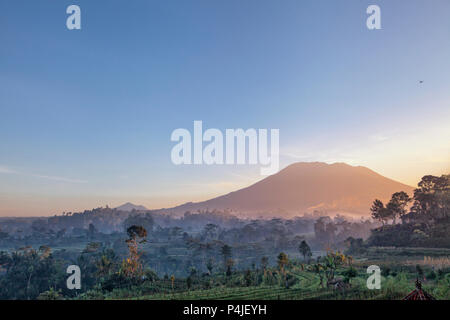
[399, 273]
[308, 287]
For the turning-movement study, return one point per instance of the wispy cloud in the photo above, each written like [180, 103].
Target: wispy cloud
[378, 138]
[62, 179]
[296, 156]
[9, 170]
[331, 155]
[4, 169]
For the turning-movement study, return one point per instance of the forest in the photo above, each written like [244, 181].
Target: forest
[217, 255]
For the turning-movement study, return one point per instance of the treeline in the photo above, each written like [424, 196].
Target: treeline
[29, 273]
[424, 223]
[107, 220]
[176, 250]
[40, 274]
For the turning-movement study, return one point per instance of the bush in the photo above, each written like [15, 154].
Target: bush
[50, 295]
[431, 275]
[385, 272]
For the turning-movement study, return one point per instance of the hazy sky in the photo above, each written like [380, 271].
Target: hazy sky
[86, 115]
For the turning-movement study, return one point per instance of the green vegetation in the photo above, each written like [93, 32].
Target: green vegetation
[213, 255]
[304, 282]
[426, 225]
[32, 274]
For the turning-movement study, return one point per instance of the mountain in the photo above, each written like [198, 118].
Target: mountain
[130, 207]
[305, 187]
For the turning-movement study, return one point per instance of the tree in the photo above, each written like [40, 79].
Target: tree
[210, 265]
[282, 261]
[325, 230]
[172, 280]
[229, 266]
[305, 250]
[132, 267]
[264, 263]
[29, 272]
[134, 232]
[92, 230]
[397, 205]
[248, 278]
[379, 212]
[332, 261]
[210, 231]
[354, 246]
[188, 282]
[431, 199]
[226, 253]
[138, 219]
[107, 263]
[320, 229]
[349, 274]
[419, 271]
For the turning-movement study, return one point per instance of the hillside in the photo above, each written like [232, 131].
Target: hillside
[305, 187]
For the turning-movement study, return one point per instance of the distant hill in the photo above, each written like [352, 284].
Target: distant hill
[305, 187]
[130, 207]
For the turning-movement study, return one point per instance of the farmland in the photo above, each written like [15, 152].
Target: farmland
[397, 280]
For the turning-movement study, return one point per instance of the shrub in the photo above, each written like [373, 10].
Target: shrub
[431, 275]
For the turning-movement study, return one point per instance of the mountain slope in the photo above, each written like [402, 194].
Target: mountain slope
[305, 187]
[130, 207]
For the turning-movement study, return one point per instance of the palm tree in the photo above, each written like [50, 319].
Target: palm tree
[282, 261]
[172, 279]
[332, 261]
[264, 263]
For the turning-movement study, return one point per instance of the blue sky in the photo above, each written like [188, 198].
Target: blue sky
[86, 115]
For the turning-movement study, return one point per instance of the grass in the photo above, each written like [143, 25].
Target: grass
[437, 263]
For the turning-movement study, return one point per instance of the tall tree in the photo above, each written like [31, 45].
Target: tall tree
[226, 254]
[131, 266]
[305, 250]
[379, 211]
[432, 199]
[229, 265]
[282, 261]
[397, 205]
[210, 265]
[264, 263]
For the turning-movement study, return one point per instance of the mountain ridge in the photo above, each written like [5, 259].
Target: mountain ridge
[130, 207]
[303, 187]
